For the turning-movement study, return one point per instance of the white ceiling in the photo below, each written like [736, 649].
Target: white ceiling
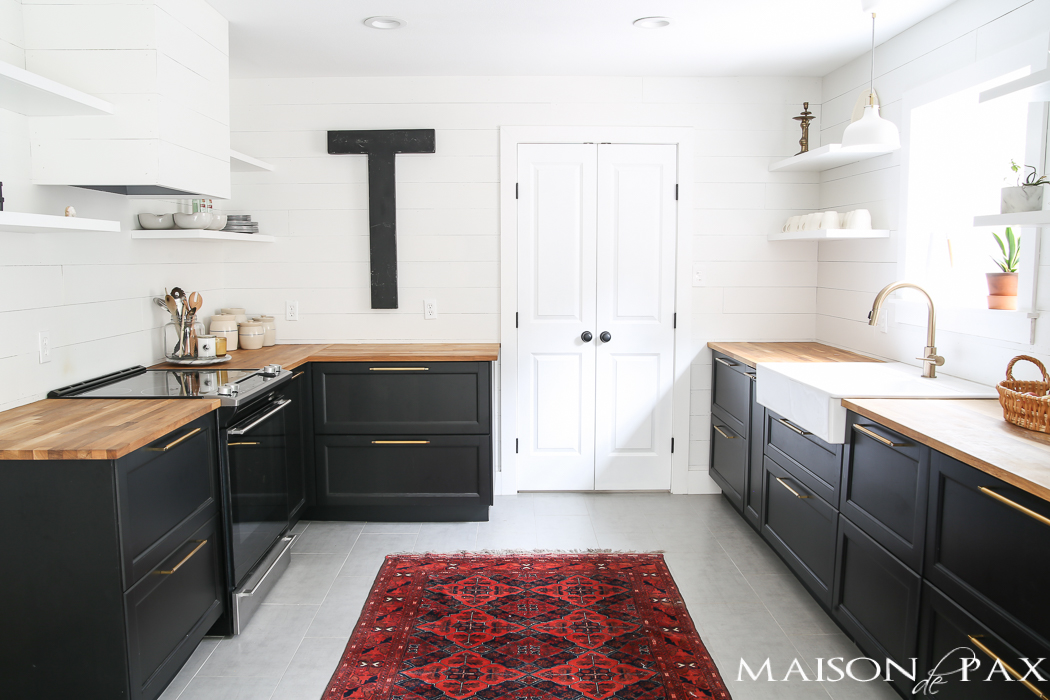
[310, 38]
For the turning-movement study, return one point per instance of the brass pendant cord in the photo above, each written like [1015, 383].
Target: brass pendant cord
[871, 80]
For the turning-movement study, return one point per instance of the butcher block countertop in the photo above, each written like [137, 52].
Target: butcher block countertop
[92, 428]
[752, 353]
[972, 431]
[291, 356]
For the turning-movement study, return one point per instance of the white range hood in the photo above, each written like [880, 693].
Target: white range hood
[164, 65]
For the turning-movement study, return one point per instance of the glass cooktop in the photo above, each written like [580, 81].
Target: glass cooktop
[169, 384]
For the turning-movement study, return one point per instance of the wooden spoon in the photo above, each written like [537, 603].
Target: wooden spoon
[196, 302]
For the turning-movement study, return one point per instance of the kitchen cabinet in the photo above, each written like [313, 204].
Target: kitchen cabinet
[754, 476]
[119, 563]
[298, 422]
[815, 463]
[731, 418]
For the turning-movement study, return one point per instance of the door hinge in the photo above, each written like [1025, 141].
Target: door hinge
[515, 319]
[515, 445]
[672, 445]
[674, 322]
[515, 190]
[676, 191]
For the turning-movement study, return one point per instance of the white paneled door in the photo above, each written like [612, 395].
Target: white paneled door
[596, 257]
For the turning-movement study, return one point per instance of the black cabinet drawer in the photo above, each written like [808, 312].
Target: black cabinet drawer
[885, 483]
[984, 552]
[731, 391]
[405, 477]
[166, 491]
[389, 398]
[800, 526]
[876, 598]
[728, 458]
[949, 634]
[816, 463]
[168, 612]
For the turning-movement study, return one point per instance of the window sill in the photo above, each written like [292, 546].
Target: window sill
[1011, 326]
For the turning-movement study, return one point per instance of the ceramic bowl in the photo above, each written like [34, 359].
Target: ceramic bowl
[218, 222]
[201, 219]
[156, 222]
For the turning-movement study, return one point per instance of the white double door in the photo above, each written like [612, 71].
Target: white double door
[596, 255]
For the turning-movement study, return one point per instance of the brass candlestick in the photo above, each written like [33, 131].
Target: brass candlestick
[804, 121]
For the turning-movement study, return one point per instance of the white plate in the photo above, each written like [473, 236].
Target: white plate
[204, 361]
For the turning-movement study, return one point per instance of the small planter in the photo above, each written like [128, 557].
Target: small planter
[1017, 199]
[1002, 290]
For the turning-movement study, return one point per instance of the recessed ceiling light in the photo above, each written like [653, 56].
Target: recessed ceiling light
[385, 22]
[652, 22]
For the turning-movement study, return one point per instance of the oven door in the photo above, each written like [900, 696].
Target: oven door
[258, 451]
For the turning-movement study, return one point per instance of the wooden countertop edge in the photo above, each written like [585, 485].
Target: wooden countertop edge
[726, 348]
[952, 451]
[351, 352]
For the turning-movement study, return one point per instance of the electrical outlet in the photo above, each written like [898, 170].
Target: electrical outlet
[699, 274]
[291, 311]
[43, 344]
[430, 309]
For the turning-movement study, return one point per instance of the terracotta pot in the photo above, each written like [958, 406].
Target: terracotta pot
[1002, 284]
[1002, 303]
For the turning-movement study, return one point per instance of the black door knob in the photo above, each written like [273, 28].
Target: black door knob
[606, 336]
[586, 336]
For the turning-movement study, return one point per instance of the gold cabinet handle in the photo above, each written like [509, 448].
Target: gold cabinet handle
[754, 377]
[200, 543]
[398, 369]
[791, 426]
[876, 436]
[401, 442]
[724, 434]
[727, 363]
[975, 640]
[1016, 506]
[172, 444]
[793, 491]
[297, 375]
[240, 444]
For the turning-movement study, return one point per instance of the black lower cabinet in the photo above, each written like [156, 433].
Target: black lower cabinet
[729, 454]
[298, 426]
[876, 599]
[753, 478]
[800, 526]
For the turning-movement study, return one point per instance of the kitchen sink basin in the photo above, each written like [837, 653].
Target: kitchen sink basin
[810, 394]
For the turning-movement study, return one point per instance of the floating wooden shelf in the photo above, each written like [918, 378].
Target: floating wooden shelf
[826, 157]
[202, 235]
[1037, 84]
[241, 163]
[16, 221]
[28, 93]
[1021, 218]
[829, 234]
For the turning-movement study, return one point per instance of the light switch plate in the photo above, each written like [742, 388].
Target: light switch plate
[430, 309]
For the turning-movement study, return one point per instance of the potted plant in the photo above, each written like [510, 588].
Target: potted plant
[1027, 195]
[1002, 286]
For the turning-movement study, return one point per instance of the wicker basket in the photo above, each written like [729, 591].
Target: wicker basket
[1019, 406]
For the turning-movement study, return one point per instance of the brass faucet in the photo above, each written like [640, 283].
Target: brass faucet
[931, 360]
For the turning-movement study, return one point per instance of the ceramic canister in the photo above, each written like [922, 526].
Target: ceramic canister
[225, 326]
[239, 314]
[251, 335]
[270, 328]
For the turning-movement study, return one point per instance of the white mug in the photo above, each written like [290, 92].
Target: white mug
[846, 220]
[811, 222]
[791, 225]
[861, 219]
[829, 219]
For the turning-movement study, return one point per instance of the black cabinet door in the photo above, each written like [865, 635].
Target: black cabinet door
[298, 391]
[168, 612]
[731, 391]
[410, 477]
[753, 478]
[816, 463]
[983, 551]
[729, 456]
[398, 398]
[886, 478]
[876, 598]
[800, 526]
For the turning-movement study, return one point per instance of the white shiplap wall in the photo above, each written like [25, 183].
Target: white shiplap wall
[448, 219]
[851, 272]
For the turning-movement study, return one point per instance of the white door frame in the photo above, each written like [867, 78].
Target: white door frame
[510, 136]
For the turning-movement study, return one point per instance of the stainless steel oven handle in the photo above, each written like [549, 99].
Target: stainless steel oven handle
[281, 405]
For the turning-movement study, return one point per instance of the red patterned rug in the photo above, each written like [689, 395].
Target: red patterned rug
[525, 627]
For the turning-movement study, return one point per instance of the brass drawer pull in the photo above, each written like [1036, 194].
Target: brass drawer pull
[885, 441]
[297, 375]
[1016, 506]
[724, 434]
[793, 491]
[754, 377]
[398, 369]
[172, 444]
[200, 543]
[401, 442]
[974, 639]
[725, 362]
[791, 426]
[239, 444]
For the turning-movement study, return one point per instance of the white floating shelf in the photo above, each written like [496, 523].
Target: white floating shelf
[1021, 218]
[28, 93]
[16, 221]
[829, 234]
[241, 163]
[826, 157]
[197, 234]
[1037, 84]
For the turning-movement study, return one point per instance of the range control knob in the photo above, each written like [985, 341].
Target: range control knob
[227, 390]
[271, 370]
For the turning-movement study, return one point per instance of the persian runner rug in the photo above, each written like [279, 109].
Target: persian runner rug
[525, 627]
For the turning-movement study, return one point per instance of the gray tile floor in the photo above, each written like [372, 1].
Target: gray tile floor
[744, 601]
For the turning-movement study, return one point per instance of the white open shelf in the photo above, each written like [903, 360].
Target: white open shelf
[202, 235]
[21, 222]
[829, 234]
[241, 163]
[1021, 218]
[28, 93]
[1037, 84]
[826, 157]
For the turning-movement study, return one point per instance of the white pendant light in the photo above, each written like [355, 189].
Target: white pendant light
[871, 129]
